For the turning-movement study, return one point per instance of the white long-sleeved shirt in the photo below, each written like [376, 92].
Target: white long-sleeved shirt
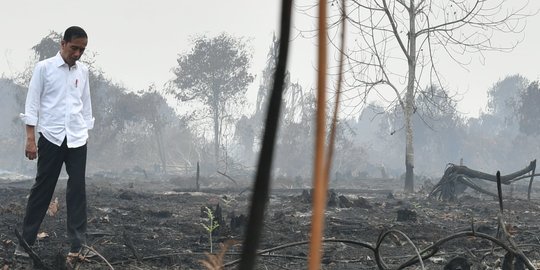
[58, 102]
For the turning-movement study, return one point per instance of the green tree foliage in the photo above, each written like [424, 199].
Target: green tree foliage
[503, 100]
[371, 133]
[48, 46]
[439, 130]
[495, 136]
[216, 73]
[152, 109]
[131, 129]
[295, 141]
[11, 104]
[11, 131]
[134, 129]
[529, 110]
[350, 159]
[267, 81]
[106, 96]
[498, 127]
[249, 130]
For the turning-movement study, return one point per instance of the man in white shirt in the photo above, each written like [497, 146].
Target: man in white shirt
[58, 106]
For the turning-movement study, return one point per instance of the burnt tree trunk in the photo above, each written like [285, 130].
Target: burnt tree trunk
[457, 178]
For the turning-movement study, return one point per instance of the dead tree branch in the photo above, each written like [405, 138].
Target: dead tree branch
[457, 178]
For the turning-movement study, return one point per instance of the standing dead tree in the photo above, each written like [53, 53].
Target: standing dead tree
[397, 45]
[457, 178]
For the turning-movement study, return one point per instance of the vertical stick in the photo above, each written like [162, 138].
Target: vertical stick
[319, 193]
[262, 181]
[531, 181]
[499, 191]
[197, 177]
[333, 127]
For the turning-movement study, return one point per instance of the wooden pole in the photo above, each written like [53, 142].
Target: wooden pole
[320, 181]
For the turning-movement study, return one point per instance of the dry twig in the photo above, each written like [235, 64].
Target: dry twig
[99, 255]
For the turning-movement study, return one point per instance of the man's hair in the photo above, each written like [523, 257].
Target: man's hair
[74, 32]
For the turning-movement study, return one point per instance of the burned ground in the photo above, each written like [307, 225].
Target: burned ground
[158, 225]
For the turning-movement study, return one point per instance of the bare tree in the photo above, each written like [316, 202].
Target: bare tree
[398, 43]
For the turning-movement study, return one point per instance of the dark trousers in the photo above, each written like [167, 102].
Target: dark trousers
[49, 164]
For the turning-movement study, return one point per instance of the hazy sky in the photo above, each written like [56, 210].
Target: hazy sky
[138, 41]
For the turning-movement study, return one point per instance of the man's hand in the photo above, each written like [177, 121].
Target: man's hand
[30, 150]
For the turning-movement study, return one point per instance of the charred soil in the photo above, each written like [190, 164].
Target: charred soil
[159, 225]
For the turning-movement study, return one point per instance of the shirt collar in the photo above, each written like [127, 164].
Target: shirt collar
[59, 61]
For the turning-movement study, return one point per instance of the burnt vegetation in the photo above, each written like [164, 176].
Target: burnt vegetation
[171, 168]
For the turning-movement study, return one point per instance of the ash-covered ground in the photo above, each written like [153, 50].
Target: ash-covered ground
[158, 224]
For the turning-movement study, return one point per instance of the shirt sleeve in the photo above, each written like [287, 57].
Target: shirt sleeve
[33, 97]
[87, 104]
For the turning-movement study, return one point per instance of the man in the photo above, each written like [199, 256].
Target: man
[58, 104]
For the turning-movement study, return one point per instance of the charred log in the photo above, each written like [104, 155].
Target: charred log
[457, 179]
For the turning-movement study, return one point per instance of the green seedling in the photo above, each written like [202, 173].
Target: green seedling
[212, 225]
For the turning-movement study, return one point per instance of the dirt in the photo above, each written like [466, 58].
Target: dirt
[158, 224]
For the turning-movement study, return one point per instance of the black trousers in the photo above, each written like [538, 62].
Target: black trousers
[49, 164]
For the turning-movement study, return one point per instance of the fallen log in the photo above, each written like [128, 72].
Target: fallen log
[458, 178]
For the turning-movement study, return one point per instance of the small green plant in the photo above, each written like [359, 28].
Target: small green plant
[212, 225]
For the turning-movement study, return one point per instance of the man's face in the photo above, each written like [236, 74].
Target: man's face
[72, 50]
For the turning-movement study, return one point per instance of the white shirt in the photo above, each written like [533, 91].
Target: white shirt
[58, 102]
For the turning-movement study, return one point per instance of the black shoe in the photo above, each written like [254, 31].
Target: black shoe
[84, 253]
